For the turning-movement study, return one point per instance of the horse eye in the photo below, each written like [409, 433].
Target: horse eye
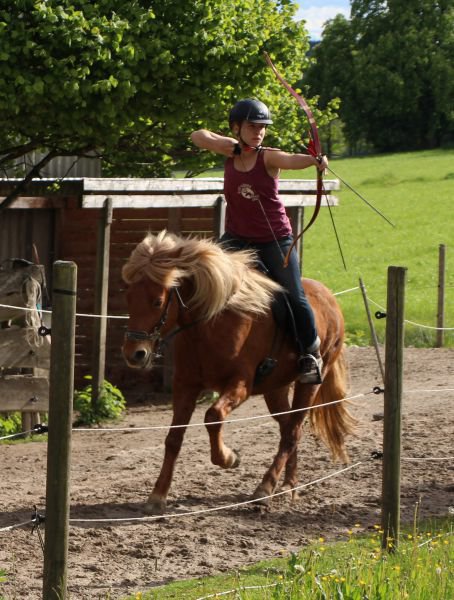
[157, 303]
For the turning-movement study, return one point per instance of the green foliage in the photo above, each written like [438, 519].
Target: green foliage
[110, 404]
[10, 424]
[131, 80]
[392, 67]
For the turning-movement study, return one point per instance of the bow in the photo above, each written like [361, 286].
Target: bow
[314, 148]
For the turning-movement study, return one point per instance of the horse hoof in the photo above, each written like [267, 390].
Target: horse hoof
[155, 506]
[236, 460]
[261, 496]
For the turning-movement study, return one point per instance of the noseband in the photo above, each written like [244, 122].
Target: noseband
[155, 335]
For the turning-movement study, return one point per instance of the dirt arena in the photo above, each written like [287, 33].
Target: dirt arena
[112, 473]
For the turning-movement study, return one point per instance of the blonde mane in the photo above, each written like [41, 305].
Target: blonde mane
[221, 279]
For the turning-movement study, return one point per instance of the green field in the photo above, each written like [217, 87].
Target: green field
[415, 190]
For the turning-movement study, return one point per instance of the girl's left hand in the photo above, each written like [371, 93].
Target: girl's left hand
[322, 163]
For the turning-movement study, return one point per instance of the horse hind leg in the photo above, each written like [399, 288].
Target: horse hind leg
[221, 454]
[286, 458]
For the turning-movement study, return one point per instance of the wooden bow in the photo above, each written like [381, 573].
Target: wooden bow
[314, 148]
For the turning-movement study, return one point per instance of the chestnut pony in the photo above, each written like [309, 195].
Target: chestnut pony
[216, 305]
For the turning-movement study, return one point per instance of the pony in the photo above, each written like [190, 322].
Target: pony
[218, 308]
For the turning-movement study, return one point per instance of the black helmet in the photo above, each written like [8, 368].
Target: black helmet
[250, 110]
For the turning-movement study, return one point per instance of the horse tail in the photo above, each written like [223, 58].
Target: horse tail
[334, 422]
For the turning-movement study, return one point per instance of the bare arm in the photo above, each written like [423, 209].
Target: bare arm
[277, 159]
[208, 140]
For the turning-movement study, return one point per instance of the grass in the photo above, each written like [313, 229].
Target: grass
[414, 190]
[351, 569]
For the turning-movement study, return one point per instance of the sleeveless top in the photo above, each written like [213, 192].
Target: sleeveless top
[244, 215]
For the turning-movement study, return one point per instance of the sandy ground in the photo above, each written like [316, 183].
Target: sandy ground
[112, 474]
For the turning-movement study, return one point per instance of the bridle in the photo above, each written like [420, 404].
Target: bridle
[155, 335]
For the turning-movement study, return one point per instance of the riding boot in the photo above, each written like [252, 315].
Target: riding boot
[310, 364]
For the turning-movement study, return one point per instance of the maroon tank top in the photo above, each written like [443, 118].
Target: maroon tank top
[245, 216]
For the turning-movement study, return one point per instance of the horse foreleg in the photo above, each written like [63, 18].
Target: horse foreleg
[222, 455]
[183, 407]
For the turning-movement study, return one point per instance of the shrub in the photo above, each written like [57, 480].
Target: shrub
[109, 406]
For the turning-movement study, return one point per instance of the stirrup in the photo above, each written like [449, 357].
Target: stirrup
[310, 369]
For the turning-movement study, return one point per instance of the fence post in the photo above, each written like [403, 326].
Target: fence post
[441, 295]
[390, 520]
[60, 423]
[101, 300]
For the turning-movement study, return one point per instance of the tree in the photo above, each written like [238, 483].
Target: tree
[130, 80]
[393, 72]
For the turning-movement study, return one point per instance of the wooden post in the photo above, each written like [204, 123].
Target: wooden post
[101, 299]
[390, 520]
[441, 295]
[372, 329]
[60, 424]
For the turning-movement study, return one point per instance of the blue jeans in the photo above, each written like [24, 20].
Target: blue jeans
[272, 256]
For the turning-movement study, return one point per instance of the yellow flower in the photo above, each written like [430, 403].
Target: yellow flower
[321, 539]
[357, 525]
[409, 536]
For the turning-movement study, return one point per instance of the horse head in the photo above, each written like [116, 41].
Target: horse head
[152, 315]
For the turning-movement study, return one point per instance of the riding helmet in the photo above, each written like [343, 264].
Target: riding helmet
[251, 110]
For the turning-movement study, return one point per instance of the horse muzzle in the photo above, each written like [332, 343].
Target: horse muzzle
[140, 350]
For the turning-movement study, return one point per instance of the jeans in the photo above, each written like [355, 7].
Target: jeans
[272, 256]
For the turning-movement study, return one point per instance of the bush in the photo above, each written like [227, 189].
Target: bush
[10, 424]
[110, 405]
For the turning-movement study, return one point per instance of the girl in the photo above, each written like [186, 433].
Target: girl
[256, 217]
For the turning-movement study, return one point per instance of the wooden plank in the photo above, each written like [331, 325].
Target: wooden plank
[24, 393]
[171, 185]
[16, 352]
[147, 201]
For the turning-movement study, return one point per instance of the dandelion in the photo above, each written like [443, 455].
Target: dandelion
[280, 577]
[409, 536]
[376, 526]
[321, 539]
[357, 525]
[362, 582]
